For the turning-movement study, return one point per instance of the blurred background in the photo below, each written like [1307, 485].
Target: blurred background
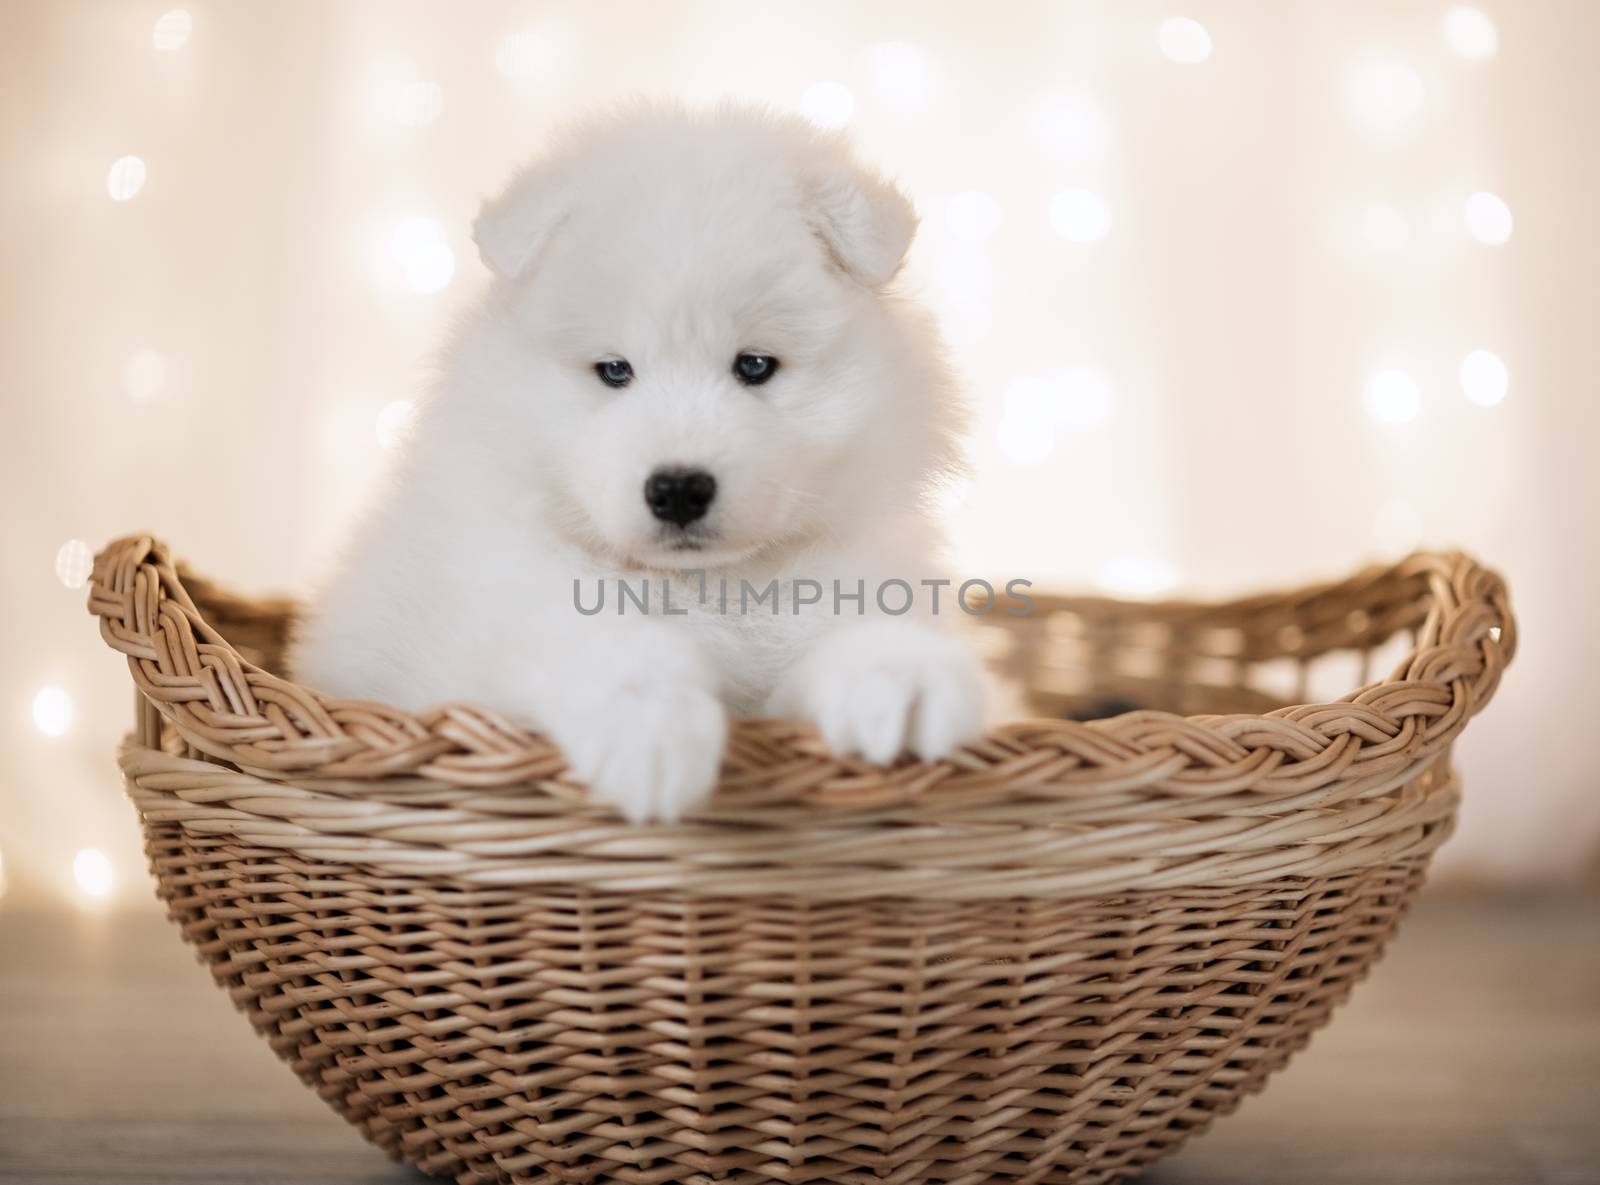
[1247, 294]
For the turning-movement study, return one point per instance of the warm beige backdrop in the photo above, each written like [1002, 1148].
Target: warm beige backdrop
[1214, 311]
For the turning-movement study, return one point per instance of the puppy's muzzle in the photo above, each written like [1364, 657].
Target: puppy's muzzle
[679, 496]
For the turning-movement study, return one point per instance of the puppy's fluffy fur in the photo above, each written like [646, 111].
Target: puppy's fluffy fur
[676, 241]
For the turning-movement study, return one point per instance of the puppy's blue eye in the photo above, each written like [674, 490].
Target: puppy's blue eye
[754, 369]
[614, 372]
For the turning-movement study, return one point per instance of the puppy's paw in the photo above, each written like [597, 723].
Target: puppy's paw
[880, 689]
[651, 748]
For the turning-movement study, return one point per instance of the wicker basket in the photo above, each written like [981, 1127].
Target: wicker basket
[1051, 959]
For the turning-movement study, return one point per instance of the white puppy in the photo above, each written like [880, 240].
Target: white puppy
[689, 369]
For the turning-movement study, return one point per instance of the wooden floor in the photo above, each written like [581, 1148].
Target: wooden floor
[1471, 1056]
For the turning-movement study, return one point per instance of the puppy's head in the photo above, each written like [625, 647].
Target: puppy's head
[692, 346]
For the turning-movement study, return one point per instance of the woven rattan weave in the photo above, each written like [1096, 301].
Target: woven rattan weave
[1051, 959]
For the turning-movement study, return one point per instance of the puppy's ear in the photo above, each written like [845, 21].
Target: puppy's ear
[866, 222]
[511, 229]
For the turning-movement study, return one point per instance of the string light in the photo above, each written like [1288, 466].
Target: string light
[394, 422]
[52, 711]
[1184, 40]
[973, 216]
[93, 872]
[1393, 397]
[171, 30]
[1471, 33]
[125, 179]
[900, 72]
[1488, 218]
[418, 246]
[1385, 95]
[1385, 229]
[828, 104]
[1484, 378]
[144, 375]
[74, 562]
[1078, 216]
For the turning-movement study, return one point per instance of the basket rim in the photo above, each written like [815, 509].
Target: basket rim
[1095, 847]
[223, 706]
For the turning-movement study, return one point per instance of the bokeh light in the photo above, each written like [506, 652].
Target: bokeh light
[1033, 397]
[964, 290]
[973, 216]
[1488, 218]
[1079, 216]
[1239, 285]
[418, 246]
[125, 179]
[1471, 33]
[1136, 576]
[1027, 431]
[1085, 399]
[1078, 397]
[1074, 126]
[1024, 440]
[524, 54]
[1384, 95]
[93, 872]
[74, 562]
[1184, 40]
[1393, 397]
[1484, 378]
[171, 30]
[52, 711]
[900, 73]
[416, 104]
[828, 104]
[145, 374]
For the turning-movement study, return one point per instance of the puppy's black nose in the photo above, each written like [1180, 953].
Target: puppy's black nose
[679, 496]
